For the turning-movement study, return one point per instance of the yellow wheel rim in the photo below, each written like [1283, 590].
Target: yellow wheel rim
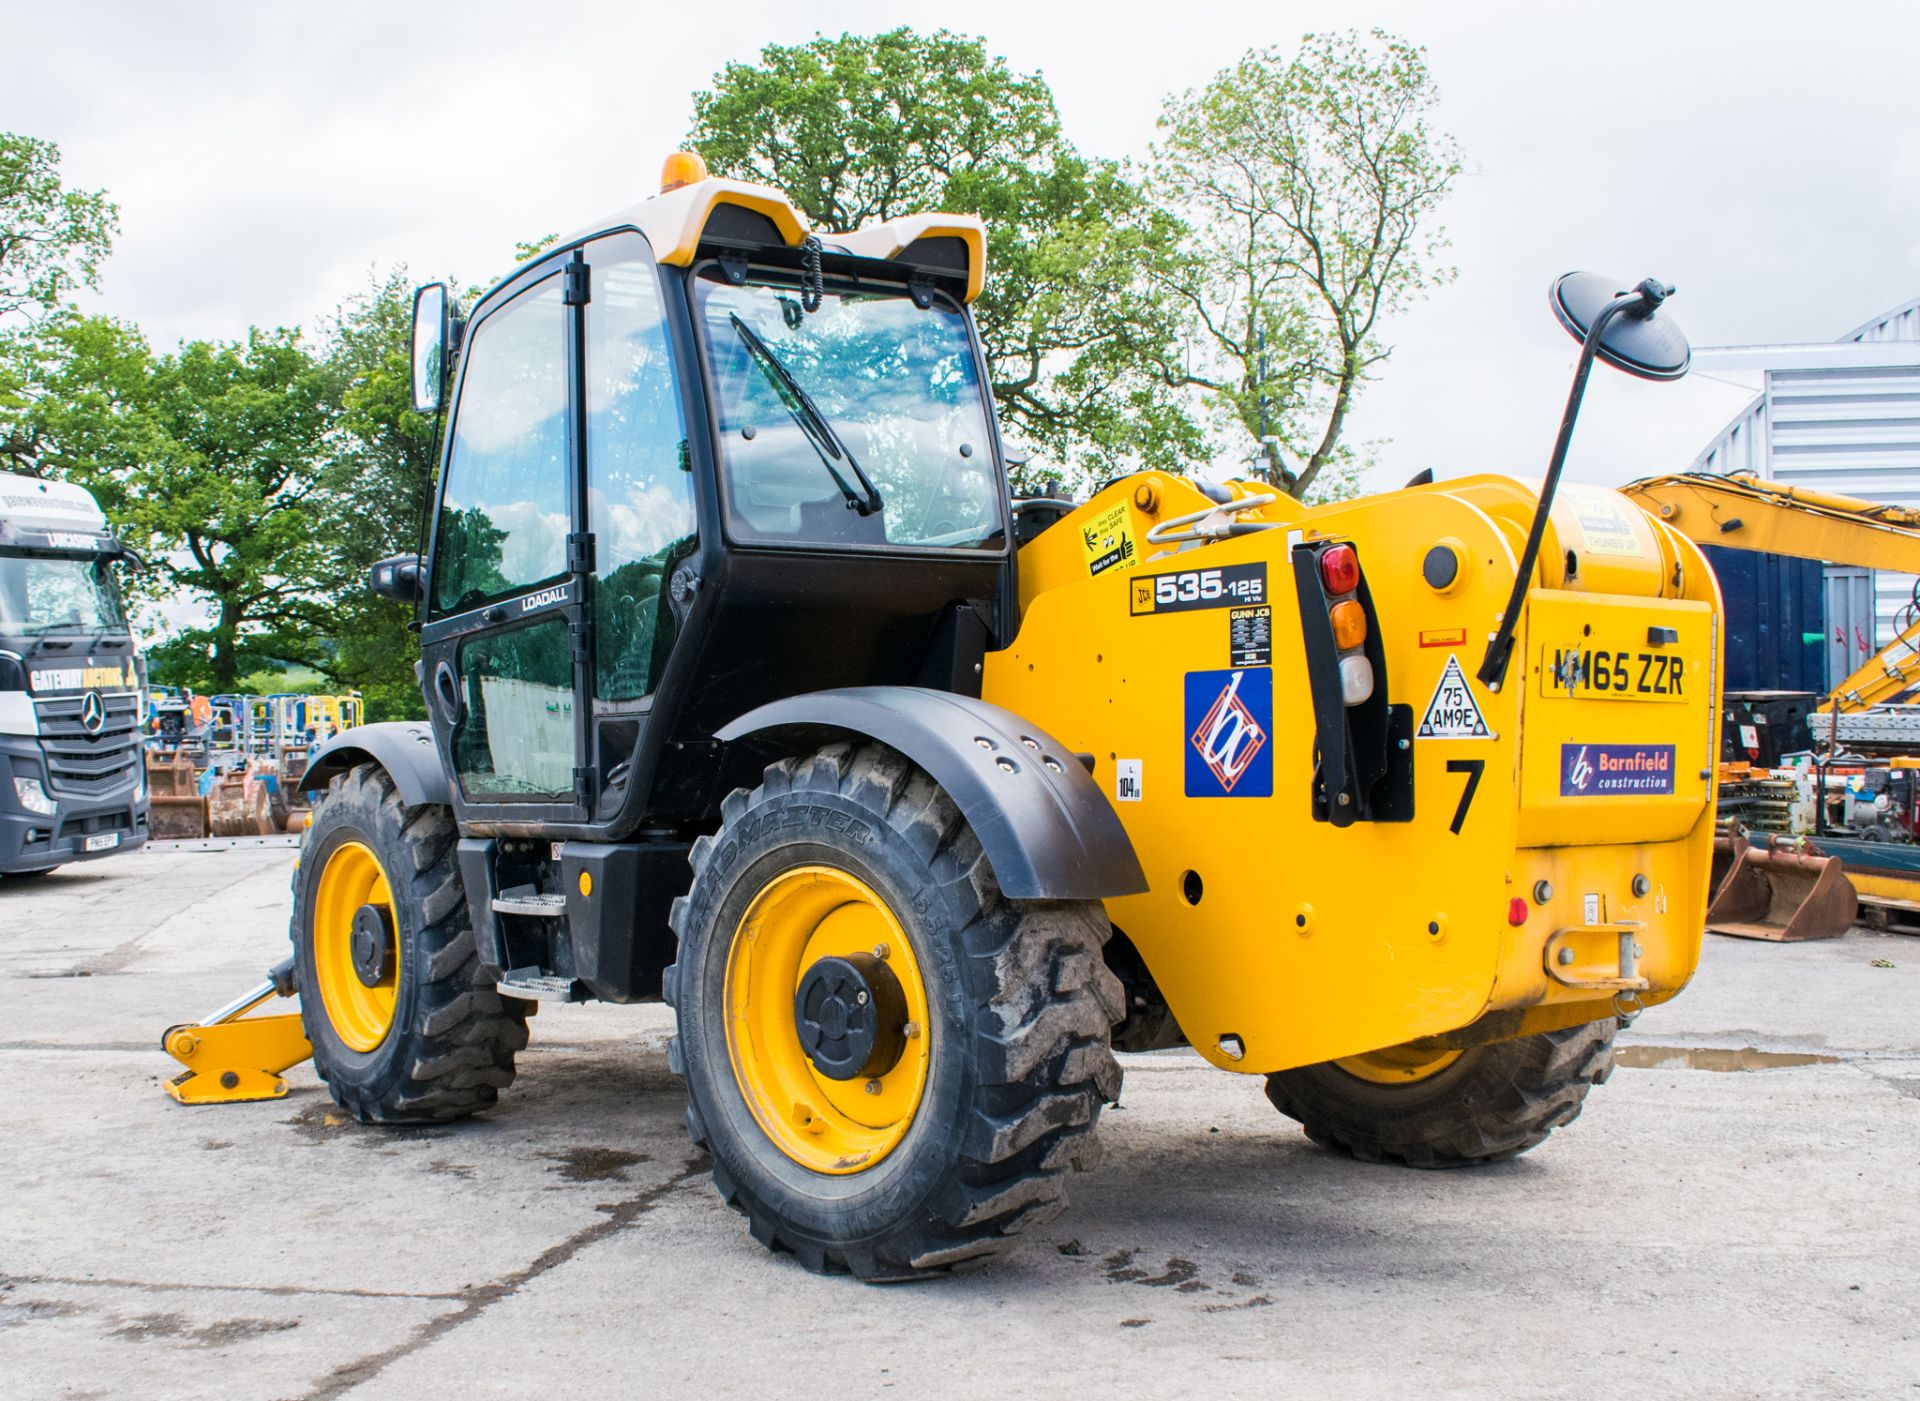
[828, 1125]
[360, 1015]
[1398, 1065]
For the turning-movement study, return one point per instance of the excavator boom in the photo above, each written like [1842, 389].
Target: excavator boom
[1744, 513]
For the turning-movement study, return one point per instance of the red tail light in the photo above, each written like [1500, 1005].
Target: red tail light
[1340, 569]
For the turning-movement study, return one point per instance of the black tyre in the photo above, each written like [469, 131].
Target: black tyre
[404, 1029]
[1480, 1106]
[851, 872]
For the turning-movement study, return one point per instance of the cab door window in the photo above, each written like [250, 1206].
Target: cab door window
[503, 508]
[639, 487]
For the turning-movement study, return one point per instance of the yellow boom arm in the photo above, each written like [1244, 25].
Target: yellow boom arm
[1744, 513]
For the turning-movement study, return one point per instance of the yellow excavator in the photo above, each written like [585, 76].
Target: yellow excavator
[1784, 890]
[752, 687]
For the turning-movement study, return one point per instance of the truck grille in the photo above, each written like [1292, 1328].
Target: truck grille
[87, 765]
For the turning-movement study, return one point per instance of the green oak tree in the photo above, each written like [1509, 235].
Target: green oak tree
[1081, 338]
[1310, 181]
[52, 242]
[213, 461]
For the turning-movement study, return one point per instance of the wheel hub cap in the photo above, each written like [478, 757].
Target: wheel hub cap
[372, 945]
[828, 1020]
[848, 1013]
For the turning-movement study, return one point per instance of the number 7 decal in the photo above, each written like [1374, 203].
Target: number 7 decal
[1472, 768]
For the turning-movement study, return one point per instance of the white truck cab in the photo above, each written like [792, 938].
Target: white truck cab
[72, 776]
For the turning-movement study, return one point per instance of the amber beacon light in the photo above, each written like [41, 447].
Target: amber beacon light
[682, 168]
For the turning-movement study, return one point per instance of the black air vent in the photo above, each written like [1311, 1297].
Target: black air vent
[943, 253]
[737, 227]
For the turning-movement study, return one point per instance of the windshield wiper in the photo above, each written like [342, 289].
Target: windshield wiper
[807, 414]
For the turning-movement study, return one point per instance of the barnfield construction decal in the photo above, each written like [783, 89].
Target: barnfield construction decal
[1609, 770]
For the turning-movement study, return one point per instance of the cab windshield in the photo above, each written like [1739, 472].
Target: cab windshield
[861, 423]
[49, 594]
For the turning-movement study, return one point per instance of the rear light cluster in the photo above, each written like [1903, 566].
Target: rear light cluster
[1340, 573]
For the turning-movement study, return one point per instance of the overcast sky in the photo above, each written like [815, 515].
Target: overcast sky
[1764, 157]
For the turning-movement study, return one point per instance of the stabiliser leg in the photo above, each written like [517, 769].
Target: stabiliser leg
[230, 1057]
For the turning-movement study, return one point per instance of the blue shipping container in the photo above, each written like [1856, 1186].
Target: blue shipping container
[1776, 628]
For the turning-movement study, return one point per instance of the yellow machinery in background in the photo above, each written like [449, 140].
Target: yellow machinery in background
[916, 800]
[1778, 889]
[1745, 513]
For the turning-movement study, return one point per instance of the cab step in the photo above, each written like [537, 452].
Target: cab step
[537, 985]
[525, 900]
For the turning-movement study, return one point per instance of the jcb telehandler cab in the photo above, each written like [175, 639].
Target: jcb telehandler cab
[751, 688]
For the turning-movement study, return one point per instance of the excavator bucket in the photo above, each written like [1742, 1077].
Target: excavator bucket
[178, 811]
[239, 805]
[1785, 896]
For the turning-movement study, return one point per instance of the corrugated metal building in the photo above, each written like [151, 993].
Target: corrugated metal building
[1843, 417]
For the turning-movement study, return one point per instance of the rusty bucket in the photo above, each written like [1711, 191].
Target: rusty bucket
[1785, 896]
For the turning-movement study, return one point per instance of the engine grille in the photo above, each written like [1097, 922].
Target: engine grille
[87, 765]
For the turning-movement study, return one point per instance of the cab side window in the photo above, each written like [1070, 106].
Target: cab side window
[503, 507]
[639, 489]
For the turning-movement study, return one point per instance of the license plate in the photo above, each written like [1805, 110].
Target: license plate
[1595, 673]
[106, 841]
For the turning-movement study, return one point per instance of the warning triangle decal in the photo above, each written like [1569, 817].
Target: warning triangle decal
[1452, 713]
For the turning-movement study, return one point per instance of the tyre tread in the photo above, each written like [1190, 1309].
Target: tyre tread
[1513, 1097]
[1046, 1071]
[465, 1035]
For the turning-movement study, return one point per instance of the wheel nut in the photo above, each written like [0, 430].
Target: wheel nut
[861, 997]
[910, 1030]
[873, 1087]
[881, 951]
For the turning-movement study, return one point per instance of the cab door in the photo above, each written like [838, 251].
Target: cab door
[505, 645]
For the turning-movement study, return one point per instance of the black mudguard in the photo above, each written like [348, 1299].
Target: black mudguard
[404, 748]
[1047, 830]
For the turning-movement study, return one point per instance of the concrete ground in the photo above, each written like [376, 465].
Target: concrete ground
[1703, 1230]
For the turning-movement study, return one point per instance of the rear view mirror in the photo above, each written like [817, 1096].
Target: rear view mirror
[398, 577]
[430, 327]
[1639, 339]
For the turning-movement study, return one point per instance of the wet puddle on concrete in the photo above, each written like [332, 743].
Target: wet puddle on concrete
[1713, 1058]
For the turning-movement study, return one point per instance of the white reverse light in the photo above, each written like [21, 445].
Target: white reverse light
[1356, 678]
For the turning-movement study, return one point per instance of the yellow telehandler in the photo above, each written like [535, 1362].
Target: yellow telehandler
[752, 688]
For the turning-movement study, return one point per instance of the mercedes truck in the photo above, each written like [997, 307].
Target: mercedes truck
[72, 779]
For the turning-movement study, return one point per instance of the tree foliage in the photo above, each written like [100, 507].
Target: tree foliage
[52, 239]
[213, 461]
[52, 242]
[1311, 181]
[379, 488]
[864, 128]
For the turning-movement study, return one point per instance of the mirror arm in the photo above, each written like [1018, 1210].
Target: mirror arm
[1493, 666]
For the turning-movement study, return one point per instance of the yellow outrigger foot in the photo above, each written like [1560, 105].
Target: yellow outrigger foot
[229, 1060]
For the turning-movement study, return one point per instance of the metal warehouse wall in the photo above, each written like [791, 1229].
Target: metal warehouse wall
[1853, 430]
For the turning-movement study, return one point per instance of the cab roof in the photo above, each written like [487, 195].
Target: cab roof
[716, 214]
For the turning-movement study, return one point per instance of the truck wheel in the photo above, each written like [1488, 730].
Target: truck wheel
[404, 1029]
[893, 1066]
[1442, 1109]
